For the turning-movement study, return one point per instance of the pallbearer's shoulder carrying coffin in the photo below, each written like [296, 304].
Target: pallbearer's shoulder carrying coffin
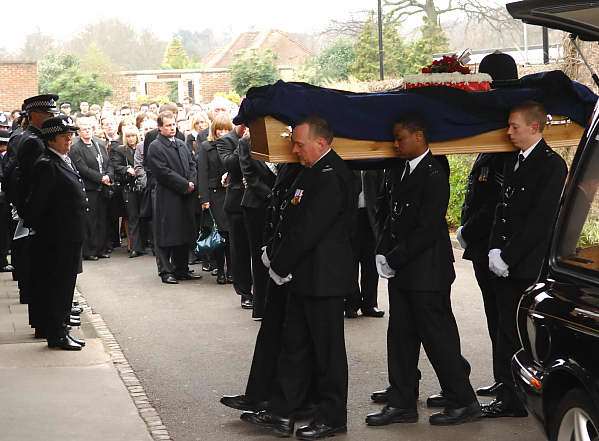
[271, 141]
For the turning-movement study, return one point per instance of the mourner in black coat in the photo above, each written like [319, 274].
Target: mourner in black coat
[533, 181]
[212, 197]
[175, 172]
[415, 253]
[122, 159]
[482, 194]
[55, 209]
[259, 179]
[93, 163]
[5, 208]
[312, 253]
[238, 234]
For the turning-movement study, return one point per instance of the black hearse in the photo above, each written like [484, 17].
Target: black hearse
[557, 369]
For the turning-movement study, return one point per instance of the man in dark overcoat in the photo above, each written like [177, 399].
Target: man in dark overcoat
[174, 169]
[415, 253]
[312, 253]
[533, 180]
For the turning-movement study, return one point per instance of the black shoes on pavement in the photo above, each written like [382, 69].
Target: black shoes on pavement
[169, 279]
[247, 303]
[318, 430]
[64, 343]
[380, 396]
[373, 312]
[389, 415]
[453, 416]
[242, 402]
[499, 409]
[489, 391]
[438, 400]
[279, 426]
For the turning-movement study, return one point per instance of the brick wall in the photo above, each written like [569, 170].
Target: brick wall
[19, 81]
[213, 82]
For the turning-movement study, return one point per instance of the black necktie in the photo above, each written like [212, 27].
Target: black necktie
[406, 172]
[520, 160]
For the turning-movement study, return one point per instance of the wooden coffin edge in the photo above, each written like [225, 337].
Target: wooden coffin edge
[268, 131]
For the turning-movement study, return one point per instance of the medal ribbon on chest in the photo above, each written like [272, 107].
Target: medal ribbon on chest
[297, 197]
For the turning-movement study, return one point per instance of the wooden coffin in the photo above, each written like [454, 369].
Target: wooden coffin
[271, 141]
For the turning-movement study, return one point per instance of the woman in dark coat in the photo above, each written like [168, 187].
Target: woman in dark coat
[122, 159]
[211, 190]
[199, 132]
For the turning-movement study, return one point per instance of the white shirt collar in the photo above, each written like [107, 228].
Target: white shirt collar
[414, 162]
[529, 150]
[322, 156]
[63, 157]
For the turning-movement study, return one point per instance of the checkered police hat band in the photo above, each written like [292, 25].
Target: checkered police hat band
[39, 104]
[54, 129]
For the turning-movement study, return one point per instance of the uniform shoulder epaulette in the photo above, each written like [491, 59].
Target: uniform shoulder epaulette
[326, 168]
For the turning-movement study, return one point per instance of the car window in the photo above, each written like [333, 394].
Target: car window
[578, 246]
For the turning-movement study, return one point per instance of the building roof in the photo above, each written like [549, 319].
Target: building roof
[289, 52]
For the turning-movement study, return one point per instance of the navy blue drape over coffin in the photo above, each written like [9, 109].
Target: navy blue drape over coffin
[450, 113]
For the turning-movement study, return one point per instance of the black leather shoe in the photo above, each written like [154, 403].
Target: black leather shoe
[188, 276]
[133, 254]
[221, 279]
[351, 313]
[390, 415]
[94, 258]
[169, 278]
[280, 426]
[7, 269]
[247, 303]
[498, 409]
[453, 416]
[76, 340]
[63, 343]
[230, 278]
[489, 391]
[241, 402]
[74, 321]
[104, 256]
[380, 396]
[76, 311]
[39, 333]
[207, 266]
[438, 400]
[317, 430]
[373, 312]
[214, 272]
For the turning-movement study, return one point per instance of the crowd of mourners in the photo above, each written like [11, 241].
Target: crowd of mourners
[303, 244]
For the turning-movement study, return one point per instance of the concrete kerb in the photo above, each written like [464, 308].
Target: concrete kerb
[147, 412]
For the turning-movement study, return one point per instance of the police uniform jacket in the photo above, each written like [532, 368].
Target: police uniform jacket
[173, 167]
[524, 216]
[415, 238]
[84, 158]
[313, 240]
[56, 206]
[258, 177]
[18, 172]
[227, 150]
[482, 195]
[286, 175]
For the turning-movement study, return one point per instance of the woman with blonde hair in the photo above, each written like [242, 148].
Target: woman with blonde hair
[211, 190]
[122, 158]
[199, 128]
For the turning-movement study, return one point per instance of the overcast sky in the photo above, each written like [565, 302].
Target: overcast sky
[62, 20]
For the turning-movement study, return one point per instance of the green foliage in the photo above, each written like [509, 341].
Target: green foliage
[231, 95]
[175, 56]
[432, 41]
[62, 74]
[366, 64]
[95, 61]
[460, 166]
[253, 68]
[332, 64]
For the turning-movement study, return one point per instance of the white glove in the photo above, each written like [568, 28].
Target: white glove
[278, 279]
[265, 259]
[383, 268]
[460, 238]
[496, 264]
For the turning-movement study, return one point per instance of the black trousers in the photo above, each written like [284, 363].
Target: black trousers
[94, 242]
[313, 348]
[240, 254]
[364, 246]
[172, 260]
[255, 218]
[22, 261]
[5, 233]
[115, 208]
[268, 344]
[132, 205]
[509, 291]
[420, 317]
[57, 265]
[484, 277]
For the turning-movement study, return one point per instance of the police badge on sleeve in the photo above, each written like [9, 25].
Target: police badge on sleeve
[297, 197]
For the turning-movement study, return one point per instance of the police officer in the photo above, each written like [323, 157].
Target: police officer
[532, 184]
[416, 255]
[55, 209]
[312, 253]
[478, 210]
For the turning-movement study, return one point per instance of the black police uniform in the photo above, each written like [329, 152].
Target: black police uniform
[482, 195]
[415, 241]
[522, 230]
[313, 243]
[55, 209]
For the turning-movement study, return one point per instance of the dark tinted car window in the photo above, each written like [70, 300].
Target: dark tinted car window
[579, 242]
